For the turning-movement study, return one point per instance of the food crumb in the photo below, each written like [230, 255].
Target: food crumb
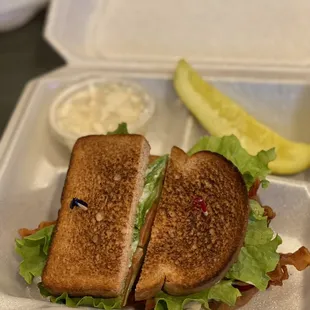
[99, 217]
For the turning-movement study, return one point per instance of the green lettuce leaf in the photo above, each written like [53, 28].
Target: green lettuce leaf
[251, 167]
[135, 241]
[257, 212]
[223, 292]
[151, 191]
[100, 303]
[120, 130]
[33, 250]
[168, 302]
[258, 256]
[152, 188]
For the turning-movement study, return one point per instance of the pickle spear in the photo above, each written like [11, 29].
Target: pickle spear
[221, 116]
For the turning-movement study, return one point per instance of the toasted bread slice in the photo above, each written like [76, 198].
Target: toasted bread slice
[91, 249]
[189, 251]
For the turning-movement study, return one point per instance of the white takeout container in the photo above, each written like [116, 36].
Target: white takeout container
[254, 51]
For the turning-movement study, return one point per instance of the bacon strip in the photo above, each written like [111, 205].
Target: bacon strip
[269, 213]
[25, 232]
[254, 188]
[278, 275]
[150, 304]
[136, 305]
[299, 259]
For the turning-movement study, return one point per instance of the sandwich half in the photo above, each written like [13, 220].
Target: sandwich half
[93, 244]
[199, 226]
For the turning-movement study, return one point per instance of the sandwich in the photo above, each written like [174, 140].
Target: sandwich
[211, 246]
[93, 242]
[178, 231]
[108, 203]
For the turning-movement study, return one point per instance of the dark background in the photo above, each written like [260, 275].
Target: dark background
[24, 55]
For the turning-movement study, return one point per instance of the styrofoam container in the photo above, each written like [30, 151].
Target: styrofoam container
[34, 162]
[139, 41]
[239, 37]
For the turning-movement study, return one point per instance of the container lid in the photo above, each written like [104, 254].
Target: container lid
[258, 35]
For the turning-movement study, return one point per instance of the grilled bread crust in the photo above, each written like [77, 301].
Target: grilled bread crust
[91, 249]
[189, 251]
